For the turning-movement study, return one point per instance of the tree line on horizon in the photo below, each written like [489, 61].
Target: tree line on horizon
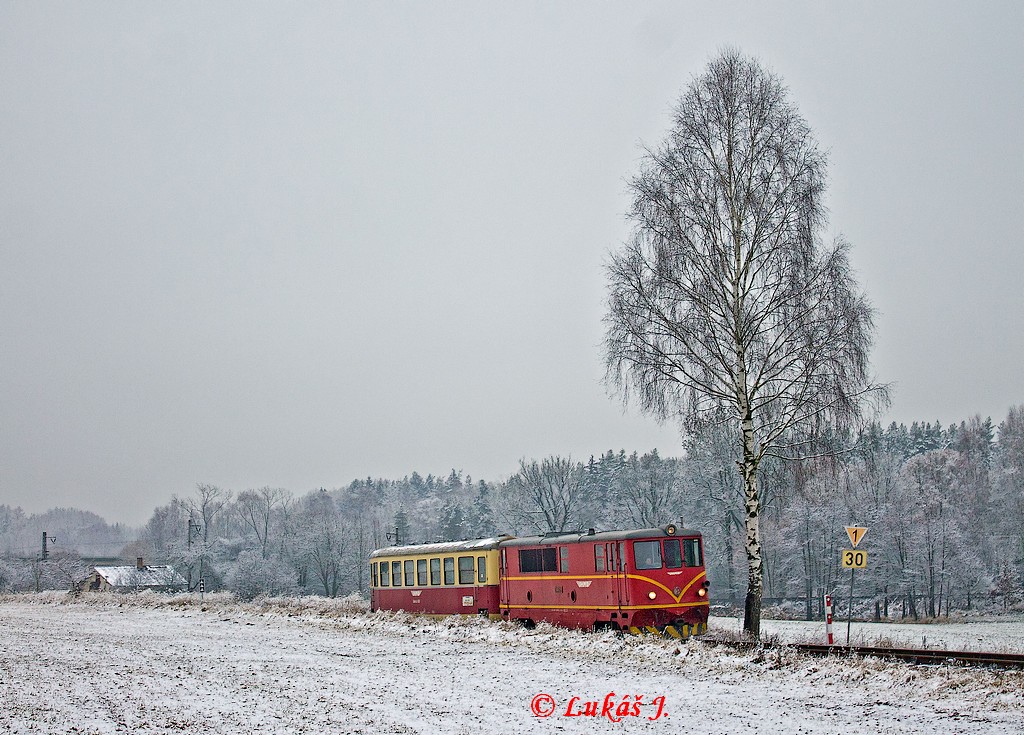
[944, 507]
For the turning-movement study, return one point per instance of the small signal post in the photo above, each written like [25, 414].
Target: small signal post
[828, 618]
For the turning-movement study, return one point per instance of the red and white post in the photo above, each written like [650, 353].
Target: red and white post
[828, 618]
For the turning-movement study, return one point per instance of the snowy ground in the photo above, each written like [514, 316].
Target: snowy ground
[153, 666]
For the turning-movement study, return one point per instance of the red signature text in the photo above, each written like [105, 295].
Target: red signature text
[613, 707]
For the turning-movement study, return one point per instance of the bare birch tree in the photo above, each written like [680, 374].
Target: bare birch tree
[726, 305]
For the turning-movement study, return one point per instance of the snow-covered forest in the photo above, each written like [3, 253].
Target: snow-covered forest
[944, 507]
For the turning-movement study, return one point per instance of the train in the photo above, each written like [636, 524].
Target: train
[640, 580]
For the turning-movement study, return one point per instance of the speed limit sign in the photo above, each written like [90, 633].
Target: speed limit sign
[854, 559]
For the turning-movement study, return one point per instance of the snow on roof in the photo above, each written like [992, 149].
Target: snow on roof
[441, 548]
[149, 576]
[599, 536]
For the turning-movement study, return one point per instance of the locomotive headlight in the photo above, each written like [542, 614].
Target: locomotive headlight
[702, 592]
[652, 595]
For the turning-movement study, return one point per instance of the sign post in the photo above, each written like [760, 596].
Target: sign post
[854, 560]
[828, 618]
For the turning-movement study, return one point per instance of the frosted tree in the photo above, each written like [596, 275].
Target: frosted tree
[726, 305]
[544, 496]
[649, 492]
[1008, 500]
[208, 503]
[258, 510]
[321, 537]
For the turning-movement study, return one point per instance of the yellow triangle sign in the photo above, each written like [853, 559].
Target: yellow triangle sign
[856, 533]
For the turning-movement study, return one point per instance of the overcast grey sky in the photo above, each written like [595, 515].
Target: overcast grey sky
[293, 244]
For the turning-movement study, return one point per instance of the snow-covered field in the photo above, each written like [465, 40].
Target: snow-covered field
[149, 665]
[1001, 635]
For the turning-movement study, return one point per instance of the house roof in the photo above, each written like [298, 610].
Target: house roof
[149, 576]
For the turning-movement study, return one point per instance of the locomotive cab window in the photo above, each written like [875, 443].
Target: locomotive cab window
[435, 572]
[384, 581]
[599, 557]
[481, 569]
[563, 559]
[647, 554]
[465, 570]
[396, 574]
[673, 557]
[449, 570]
[691, 553]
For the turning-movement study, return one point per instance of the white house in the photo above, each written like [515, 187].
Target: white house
[162, 578]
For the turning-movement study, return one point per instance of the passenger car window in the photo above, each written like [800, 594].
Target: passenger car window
[384, 580]
[373, 574]
[421, 572]
[647, 554]
[481, 569]
[396, 574]
[449, 570]
[465, 570]
[410, 577]
[673, 557]
[435, 572]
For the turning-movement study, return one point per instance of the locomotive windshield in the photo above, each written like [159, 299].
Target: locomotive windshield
[677, 553]
[673, 557]
[691, 549]
[647, 554]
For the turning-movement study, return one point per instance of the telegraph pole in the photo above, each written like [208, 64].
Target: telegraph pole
[394, 536]
[192, 525]
[46, 552]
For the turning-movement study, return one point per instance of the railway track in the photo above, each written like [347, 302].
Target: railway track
[921, 656]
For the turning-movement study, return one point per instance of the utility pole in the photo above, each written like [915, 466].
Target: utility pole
[394, 536]
[46, 551]
[192, 525]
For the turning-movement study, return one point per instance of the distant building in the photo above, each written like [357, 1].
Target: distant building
[134, 579]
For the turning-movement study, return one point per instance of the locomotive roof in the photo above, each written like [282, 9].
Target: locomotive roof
[480, 544]
[581, 536]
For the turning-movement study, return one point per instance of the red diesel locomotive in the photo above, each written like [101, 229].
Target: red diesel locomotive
[648, 579]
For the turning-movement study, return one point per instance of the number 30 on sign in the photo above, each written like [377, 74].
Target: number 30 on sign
[853, 559]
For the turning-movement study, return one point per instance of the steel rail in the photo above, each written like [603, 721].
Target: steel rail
[921, 656]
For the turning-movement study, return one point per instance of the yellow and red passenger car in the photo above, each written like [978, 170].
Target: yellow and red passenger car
[454, 578]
